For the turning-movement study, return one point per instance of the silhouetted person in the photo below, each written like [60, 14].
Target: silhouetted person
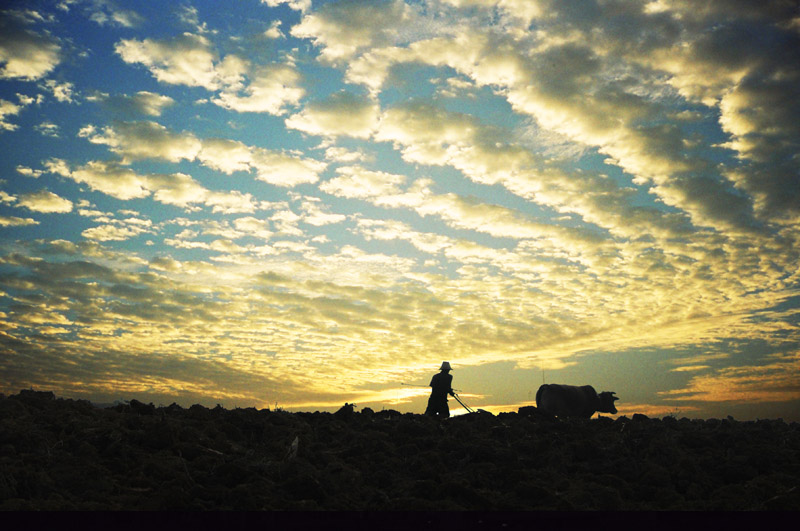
[440, 387]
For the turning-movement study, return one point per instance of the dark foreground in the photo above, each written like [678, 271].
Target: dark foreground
[58, 454]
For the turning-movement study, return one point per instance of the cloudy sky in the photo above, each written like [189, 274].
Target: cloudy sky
[300, 203]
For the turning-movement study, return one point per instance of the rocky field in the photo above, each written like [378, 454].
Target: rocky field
[58, 454]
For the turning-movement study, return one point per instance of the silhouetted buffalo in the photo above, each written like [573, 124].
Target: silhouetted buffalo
[573, 401]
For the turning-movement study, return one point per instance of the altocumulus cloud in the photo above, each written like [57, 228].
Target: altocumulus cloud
[307, 203]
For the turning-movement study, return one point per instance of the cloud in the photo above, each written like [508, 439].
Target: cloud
[429, 242]
[280, 169]
[271, 89]
[274, 31]
[297, 5]
[343, 114]
[357, 182]
[254, 227]
[775, 381]
[8, 109]
[28, 172]
[106, 13]
[342, 29]
[176, 189]
[344, 155]
[233, 202]
[760, 114]
[13, 221]
[227, 156]
[46, 202]
[105, 233]
[430, 135]
[25, 54]
[584, 100]
[190, 60]
[315, 213]
[525, 10]
[143, 102]
[499, 221]
[27, 16]
[183, 60]
[47, 129]
[62, 92]
[144, 140]
[625, 182]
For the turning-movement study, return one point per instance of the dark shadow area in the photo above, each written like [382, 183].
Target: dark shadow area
[59, 454]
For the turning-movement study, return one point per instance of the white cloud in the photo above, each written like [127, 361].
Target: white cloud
[104, 233]
[190, 60]
[151, 103]
[230, 202]
[525, 10]
[357, 182]
[176, 189]
[25, 54]
[274, 31]
[141, 140]
[580, 100]
[13, 221]
[28, 172]
[143, 102]
[286, 222]
[271, 89]
[255, 227]
[391, 230]
[48, 129]
[344, 28]
[276, 168]
[46, 202]
[106, 13]
[5, 197]
[183, 60]
[286, 170]
[340, 154]
[29, 100]
[112, 179]
[62, 92]
[8, 109]
[343, 114]
[144, 140]
[57, 166]
[315, 213]
[297, 5]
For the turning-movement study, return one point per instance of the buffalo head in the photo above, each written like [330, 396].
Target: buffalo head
[607, 399]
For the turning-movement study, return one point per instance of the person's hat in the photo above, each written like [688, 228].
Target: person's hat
[445, 366]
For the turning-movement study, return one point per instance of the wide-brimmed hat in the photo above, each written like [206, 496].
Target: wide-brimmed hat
[445, 366]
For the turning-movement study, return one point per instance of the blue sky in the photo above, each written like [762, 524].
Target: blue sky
[308, 203]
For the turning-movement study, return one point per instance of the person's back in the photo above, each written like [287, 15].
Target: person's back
[441, 386]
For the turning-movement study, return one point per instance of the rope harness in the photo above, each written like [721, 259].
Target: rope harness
[469, 409]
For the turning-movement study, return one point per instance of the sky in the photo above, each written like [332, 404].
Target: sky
[298, 203]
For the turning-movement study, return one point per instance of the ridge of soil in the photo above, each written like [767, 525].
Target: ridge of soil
[63, 454]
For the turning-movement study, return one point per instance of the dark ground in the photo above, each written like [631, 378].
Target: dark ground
[58, 454]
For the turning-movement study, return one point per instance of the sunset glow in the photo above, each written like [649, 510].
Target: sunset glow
[298, 204]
